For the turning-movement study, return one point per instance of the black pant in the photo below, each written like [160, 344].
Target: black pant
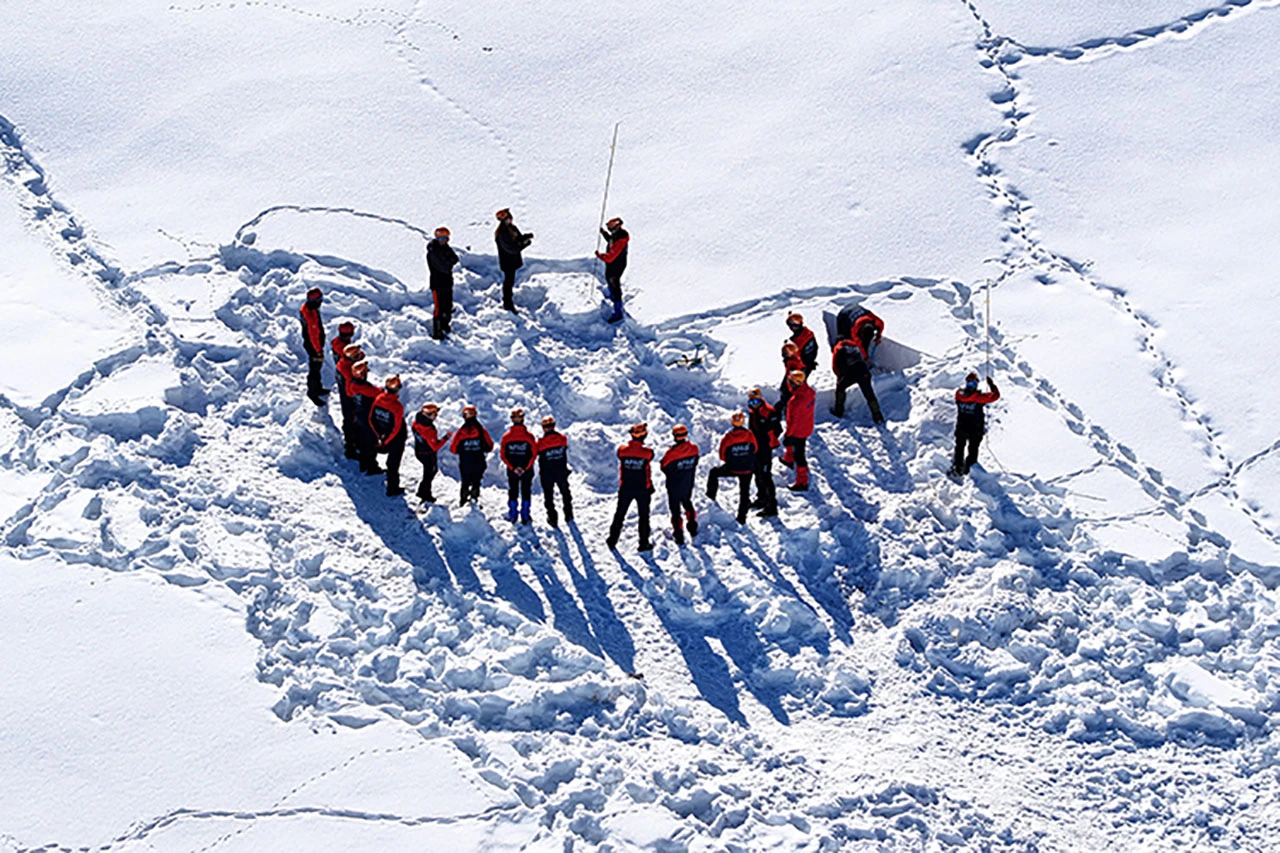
[519, 486]
[765, 489]
[430, 466]
[442, 313]
[366, 445]
[678, 500]
[508, 289]
[744, 487]
[395, 452]
[962, 462]
[470, 476]
[625, 499]
[862, 379]
[615, 286]
[549, 484]
[784, 394]
[797, 450]
[350, 442]
[315, 385]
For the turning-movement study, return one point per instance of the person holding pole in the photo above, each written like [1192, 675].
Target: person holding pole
[971, 422]
[615, 261]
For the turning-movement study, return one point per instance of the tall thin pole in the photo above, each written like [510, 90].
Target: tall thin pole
[988, 322]
[608, 177]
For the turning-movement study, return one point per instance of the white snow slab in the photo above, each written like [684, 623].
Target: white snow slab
[153, 707]
[750, 154]
[1138, 163]
[129, 402]
[63, 323]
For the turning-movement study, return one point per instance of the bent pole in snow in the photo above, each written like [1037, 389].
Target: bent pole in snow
[608, 178]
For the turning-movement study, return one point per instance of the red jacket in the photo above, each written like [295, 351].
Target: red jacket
[386, 418]
[633, 467]
[738, 450]
[519, 448]
[860, 325]
[800, 411]
[970, 411]
[763, 424]
[680, 450]
[312, 330]
[471, 438]
[343, 369]
[553, 454]
[427, 433]
[339, 345]
[808, 346]
[615, 248]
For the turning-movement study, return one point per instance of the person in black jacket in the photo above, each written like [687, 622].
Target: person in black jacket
[510, 245]
[849, 361]
[441, 259]
[553, 467]
[615, 262]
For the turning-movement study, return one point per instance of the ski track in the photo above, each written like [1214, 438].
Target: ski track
[694, 624]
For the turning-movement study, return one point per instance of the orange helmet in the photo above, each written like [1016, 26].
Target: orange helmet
[548, 422]
[755, 394]
[797, 377]
[360, 369]
[505, 213]
[469, 411]
[442, 232]
[430, 410]
[517, 416]
[679, 432]
[794, 319]
[352, 352]
[737, 419]
[639, 431]
[789, 349]
[616, 222]
[393, 383]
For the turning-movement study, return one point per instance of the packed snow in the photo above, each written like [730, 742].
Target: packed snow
[218, 634]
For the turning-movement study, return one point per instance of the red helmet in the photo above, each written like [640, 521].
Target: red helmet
[315, 293]
[346, 328]
[795, 319]
[442, 232]
[505, 213]
[469, 411]
[616, 222]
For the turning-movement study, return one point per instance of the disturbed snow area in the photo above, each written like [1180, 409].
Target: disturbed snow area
[1077, 647]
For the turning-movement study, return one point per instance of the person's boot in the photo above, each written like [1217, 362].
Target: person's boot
[525, 517]
[645, 546]
[462, 498]
[568, 511]
[876, 415]
[616, 316]
[713, 485]
[677, 530]
[770, 511]
[511, 511]
[552, 518]
[612, 541]
[788, 456]
[393, 484]
[802, 479]
[691, 521]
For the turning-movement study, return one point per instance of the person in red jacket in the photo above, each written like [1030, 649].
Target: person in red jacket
[346, 332]
[802, 336]
[680, 465]
[553, 469]
[634, 486]
[471, 444]
[738, 459]
[791, 362]
[615, 262]
[762, 420]
[852, 366]
[351, 353]
[799, 428]
[868, 330]
[518, 451]
[313, 343]
[386, 420]
[363, 393]
[971, 422]
[426, 445]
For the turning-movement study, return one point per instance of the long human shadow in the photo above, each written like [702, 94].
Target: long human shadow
[568, 619]
[607, 628]
[473, 534]
[778, 579]
[710, 672]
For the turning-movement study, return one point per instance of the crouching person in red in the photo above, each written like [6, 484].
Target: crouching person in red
[680, 465]
[386, 419]
[799, 427]
[634, 486]
[738, 458]
[519, 449]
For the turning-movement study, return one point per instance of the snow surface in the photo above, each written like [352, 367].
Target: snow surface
[217, 635]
